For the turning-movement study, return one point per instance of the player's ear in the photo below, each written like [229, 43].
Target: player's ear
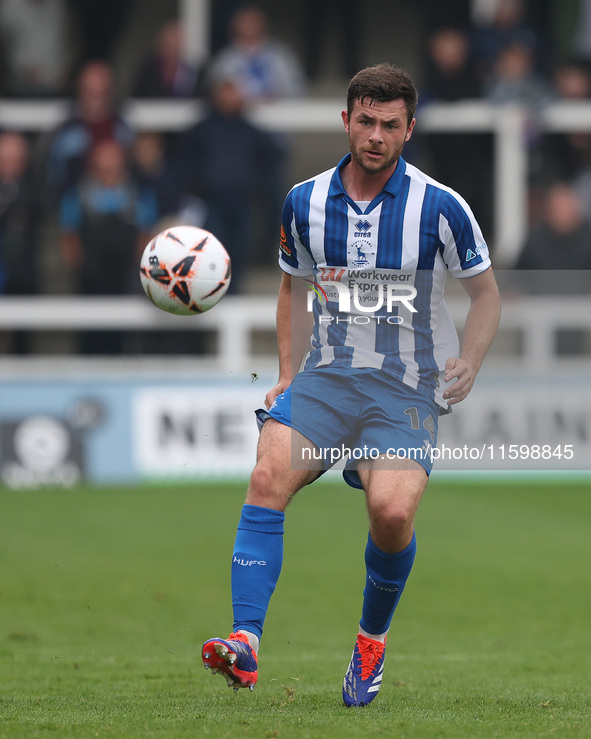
[410, 129]
[345, 117]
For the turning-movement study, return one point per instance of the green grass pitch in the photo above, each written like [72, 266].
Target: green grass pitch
[106, 596]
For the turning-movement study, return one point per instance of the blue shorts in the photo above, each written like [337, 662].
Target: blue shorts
[358, 414]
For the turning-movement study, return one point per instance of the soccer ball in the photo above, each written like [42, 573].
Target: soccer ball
[185, 270]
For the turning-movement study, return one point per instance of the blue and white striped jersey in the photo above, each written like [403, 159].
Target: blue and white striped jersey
[377, 272]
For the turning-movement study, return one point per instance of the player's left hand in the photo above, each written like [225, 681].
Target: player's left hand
[279, 388]
[465, 374]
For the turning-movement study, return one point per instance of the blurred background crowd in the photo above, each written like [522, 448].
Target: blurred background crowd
[78, 203]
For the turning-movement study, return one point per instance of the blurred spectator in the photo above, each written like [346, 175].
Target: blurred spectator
[319, 16]
[508, 26]
[221, 14]
[35, 49]
[515, 82]
[19, 224]
[581, 43]
[450, 78]
[93, 119]
[165, 73]
[449, 74]
[566, 155]
[556, 258]
[562, 240]
[514, 79]
[100, 24]
[572, 81]
[262, 67]
[222, 168]
[148, 164]
[105, 222]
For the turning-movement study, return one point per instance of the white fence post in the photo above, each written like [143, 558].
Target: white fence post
[194, 15]
[510, 184]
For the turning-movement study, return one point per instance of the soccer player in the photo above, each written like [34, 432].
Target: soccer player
[374, 238]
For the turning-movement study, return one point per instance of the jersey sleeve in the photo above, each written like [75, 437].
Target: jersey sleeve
[465, 251]
[294, 258]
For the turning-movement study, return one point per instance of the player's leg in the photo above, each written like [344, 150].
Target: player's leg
[392, 496]
[258, 551]
[275, 478]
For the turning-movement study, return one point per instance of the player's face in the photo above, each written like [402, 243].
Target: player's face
[377, 133]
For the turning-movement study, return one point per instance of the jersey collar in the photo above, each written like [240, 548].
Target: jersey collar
[392, 186]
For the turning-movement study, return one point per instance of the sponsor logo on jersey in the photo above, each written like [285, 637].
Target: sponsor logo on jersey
[283, 245]
[367, 292]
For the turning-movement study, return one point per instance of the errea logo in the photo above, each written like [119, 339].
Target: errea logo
[363, 227]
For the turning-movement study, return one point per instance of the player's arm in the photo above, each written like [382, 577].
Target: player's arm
[294, 324]
[480, 328]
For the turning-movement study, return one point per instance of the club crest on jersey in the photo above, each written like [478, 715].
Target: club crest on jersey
[361, 252]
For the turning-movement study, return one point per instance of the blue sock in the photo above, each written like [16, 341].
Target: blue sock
[386, 577]
[256, 564]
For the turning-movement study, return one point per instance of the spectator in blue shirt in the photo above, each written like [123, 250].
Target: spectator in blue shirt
[105, 222]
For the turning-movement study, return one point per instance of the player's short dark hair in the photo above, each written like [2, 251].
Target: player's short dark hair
[381, 84]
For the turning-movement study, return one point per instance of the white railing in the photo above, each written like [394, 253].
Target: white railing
[236, 319]
[233, 321]
[507, 124]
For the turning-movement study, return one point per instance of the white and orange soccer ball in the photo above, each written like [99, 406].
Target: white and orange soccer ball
[185, 270]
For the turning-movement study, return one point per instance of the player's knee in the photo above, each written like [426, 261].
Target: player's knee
[261, 480]
[264, 488]
[395, 523]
